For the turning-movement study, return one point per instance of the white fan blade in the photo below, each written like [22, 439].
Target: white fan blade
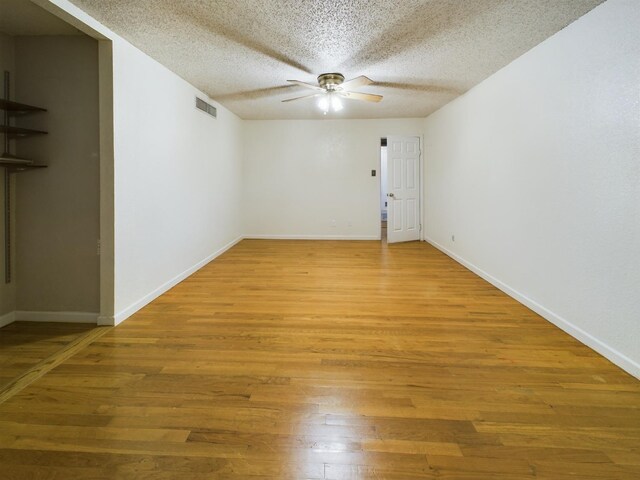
[367, 97]
[306, 85]
[357, 82]
[300, 98]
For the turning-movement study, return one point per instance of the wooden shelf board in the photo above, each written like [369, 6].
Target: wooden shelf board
[15, 168]
[8, 158]
[19, 131]
[16, 107]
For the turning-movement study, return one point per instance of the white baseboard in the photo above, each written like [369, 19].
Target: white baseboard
[311, 237]
[58, 317]
[7, 318]
[134, 307]
[618, 358]
[54, 317]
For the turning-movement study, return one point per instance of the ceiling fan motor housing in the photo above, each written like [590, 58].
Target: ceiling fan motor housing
[330, 81]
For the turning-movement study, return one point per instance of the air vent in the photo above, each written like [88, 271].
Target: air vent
[206, 108]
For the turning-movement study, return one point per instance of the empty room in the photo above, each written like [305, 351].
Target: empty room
[302, 239]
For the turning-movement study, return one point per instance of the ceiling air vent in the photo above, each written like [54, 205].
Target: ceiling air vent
[206, 108]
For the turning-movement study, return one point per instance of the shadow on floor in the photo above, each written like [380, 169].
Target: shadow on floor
[25, 344]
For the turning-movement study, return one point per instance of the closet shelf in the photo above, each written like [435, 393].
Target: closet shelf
[17, 167]
[16, 108]
[10, 162]
[8, 158]
[14, 132]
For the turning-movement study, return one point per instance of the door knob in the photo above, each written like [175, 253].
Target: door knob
[390, 195]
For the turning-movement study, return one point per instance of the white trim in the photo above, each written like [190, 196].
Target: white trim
[421, 179]
[311, 237]
[58, 317]
[122, 315]
[618, 358]
[382, 208]
[422, 182]
[7, 318]
[106, 320]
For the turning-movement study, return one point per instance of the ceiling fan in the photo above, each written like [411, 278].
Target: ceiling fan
[332, 87]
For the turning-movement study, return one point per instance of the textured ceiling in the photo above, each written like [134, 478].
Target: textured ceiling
[21, 17]
[420, 53]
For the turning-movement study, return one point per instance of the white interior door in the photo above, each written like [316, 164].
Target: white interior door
[403, 189]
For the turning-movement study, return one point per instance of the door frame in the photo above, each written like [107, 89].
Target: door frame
[106, 242]
[421, 179]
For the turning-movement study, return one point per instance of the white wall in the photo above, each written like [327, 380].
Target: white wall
[57, 211]
[302, 175]
[177, 179]
[536, 171]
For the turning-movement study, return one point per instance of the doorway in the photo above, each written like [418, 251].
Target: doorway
[383, 189]
[50, 193]
[400, 189]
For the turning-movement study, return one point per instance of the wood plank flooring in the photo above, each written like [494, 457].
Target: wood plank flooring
[25, 344]
[49, 363]
[328, 360]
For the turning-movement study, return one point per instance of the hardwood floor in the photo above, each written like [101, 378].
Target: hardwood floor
[24, 344]
[37, 370]
[328, 360]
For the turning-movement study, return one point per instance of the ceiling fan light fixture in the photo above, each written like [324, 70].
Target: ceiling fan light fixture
[330, 101]
[336, 103]
[331, 87]
[323, 104]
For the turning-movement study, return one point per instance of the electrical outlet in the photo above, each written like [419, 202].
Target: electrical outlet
[453, 238]
[349, 223]
[333, 223]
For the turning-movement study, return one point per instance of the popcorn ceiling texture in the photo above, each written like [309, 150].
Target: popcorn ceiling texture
[421, 54]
